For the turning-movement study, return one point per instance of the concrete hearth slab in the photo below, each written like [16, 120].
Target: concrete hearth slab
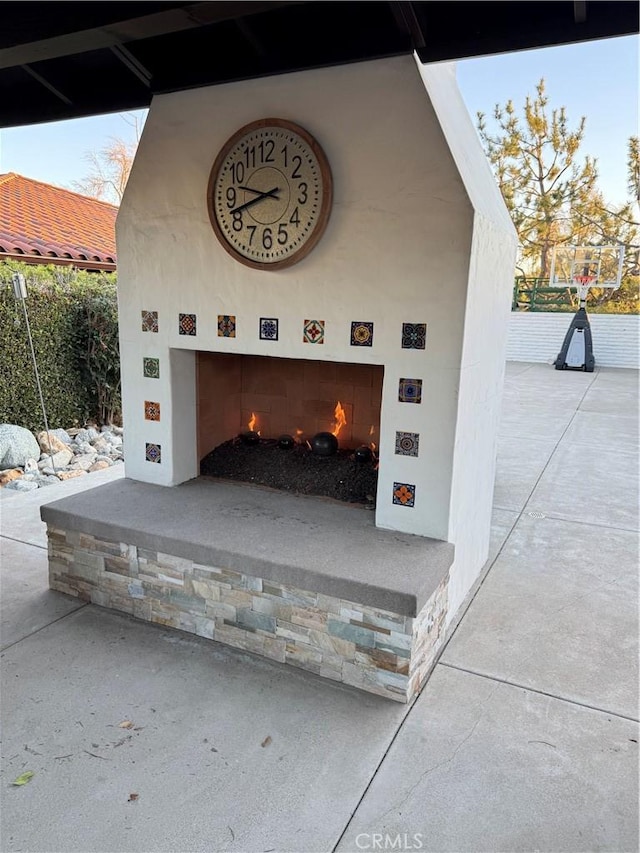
[227, 752]
[305, 542]
[484, 766]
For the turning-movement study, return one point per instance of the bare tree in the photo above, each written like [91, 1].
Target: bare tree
[109, 167]
[633, 168]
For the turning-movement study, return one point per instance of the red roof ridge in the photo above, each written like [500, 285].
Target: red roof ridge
[41, 219]
[10, 175]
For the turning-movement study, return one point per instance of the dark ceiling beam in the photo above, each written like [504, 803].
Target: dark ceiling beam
[127, 58]
[54, 71]
[408, 23]
[579, 11]
[148, 26]
[547, 24]
[43, 82]
[251, 37]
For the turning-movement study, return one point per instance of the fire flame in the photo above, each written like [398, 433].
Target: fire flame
[340, 417]
[298, 434]
[371, 444]
[252, 421]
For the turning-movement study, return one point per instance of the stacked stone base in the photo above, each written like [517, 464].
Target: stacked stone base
[375, 650]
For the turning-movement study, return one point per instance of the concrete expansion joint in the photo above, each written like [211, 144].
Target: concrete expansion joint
[45, 627]
[14, 539]
[529, 689]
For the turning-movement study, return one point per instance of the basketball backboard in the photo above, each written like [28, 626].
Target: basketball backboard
[601, 265]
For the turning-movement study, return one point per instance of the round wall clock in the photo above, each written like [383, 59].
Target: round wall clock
[269, 194]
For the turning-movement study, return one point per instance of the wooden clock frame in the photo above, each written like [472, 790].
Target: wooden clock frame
[326, 179]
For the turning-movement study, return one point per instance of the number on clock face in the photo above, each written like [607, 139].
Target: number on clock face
[270, 194]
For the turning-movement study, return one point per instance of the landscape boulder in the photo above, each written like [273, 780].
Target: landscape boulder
[69, 475]
[83, 462]
[17, 445]
[8, 476]
[60, 459]
[22, 485]
[50, 442]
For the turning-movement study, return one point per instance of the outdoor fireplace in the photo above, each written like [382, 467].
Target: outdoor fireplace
[398, 312]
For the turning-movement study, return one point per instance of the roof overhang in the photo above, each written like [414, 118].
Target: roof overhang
[93, 266]
[61, 60]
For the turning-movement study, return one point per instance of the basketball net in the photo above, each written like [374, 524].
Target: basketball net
[582, 283]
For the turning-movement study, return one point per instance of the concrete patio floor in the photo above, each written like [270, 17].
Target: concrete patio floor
[525, 737]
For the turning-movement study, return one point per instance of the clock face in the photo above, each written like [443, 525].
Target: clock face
[270, 194]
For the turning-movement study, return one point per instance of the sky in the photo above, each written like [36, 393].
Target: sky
[597, 79]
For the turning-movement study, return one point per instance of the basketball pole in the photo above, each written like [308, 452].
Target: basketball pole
[577, 347]
[583, 267]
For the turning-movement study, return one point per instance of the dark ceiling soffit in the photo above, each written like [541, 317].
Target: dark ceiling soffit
[436, 30]
[579, 11]
[561, 23]
[407, 22]
[129, 60]
[40, 79]
[148, 26]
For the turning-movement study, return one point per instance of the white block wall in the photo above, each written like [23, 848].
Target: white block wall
[538, 337]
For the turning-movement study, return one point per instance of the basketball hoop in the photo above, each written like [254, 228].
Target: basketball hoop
[582, 283]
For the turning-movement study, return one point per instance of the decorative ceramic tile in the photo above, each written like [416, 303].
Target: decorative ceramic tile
[414, 335]
[151, 368]
[313, 332]
[149, 321]
[187, 324]
[404, 494]
[151, 411]
[226, 326]
[153, 452]
[410, 391]
[361, 334]
[268, 329]
[407, 443]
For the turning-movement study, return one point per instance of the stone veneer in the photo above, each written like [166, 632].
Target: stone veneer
[375, 650]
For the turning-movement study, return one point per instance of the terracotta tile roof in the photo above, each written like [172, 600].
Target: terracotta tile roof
[40, 219]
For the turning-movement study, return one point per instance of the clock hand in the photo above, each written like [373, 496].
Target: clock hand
[251, 190]
[269, 194]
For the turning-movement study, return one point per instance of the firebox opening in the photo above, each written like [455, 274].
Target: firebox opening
[290, 396]
[259, 418]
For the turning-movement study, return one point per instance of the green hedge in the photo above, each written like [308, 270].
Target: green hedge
[74, 323]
